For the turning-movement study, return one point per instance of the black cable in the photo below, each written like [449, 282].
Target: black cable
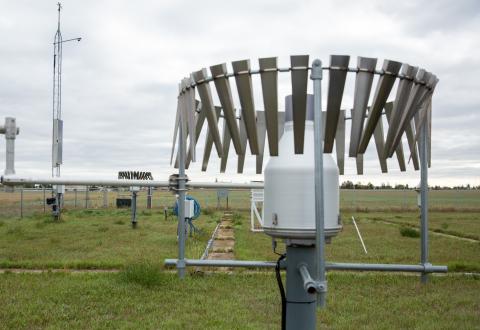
[282, 291]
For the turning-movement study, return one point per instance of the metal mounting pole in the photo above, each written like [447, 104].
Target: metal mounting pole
[316, 76]
[86, 197]
[21, 203]
[424, 199]
[134, 209]
[105, 197]
[181, 266]
[301, 301]
[149, 197]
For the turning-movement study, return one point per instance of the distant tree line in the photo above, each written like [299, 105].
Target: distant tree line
[359, 185]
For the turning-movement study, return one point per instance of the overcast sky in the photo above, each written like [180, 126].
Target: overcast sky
[120, 81]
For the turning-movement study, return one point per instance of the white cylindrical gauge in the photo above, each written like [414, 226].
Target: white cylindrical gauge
[289, 203]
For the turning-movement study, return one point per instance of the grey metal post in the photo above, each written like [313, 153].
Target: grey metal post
[316, 76]
[21, 202]
[44, 200]
[10, 130]
[424, 199]
[105, 197]
[149, 197]
[301, 305]
[75, 203]
[354, 199]
[134, 209]
[181, 266]
[86, 197]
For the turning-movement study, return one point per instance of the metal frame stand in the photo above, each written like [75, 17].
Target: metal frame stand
[424, 200]
[316, 76]
[181, 266]
[134, 209]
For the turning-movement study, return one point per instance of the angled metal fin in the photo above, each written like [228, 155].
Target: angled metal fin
[262, 131]
[269, 77]
[401, 98]
[243, 140]
[382, 91]
[206, 98]
[209, 142]
[175, 130]
[199, 120]
[423, 105]
[190, 108]
[340, 141]
[363, 85]
[245, 94]
[413, 99]
[281, 124]
[378, 137]
[182, 120]
[412, 145]
[226, 146]
[336, 85]
[399, 150]
[359, 161]
[299, 66]
[429, 136]
[224, 92]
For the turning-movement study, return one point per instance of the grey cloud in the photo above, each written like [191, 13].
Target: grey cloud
[120, 82]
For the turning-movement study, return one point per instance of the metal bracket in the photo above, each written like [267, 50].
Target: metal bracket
[173, 183]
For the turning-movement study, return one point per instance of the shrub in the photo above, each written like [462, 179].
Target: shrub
[409, 232]
[144, 274]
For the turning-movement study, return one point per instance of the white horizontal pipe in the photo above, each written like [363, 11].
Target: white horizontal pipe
[18, 180]
[223, 263]
[229, 185]
[14, 180]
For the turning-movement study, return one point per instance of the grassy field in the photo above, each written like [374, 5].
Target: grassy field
[350, 200]
[144, 295]
[95, 239]
[119, 301]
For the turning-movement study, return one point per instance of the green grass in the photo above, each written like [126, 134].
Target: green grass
[384, 243]
[143, 295]
[95, 239]
[350, 200]
[108, 301]
[463, 224]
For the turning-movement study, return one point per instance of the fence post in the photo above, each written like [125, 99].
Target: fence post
[44, 200]
[149, 197]
[21, 202]
[86, 197]
[105, 197]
